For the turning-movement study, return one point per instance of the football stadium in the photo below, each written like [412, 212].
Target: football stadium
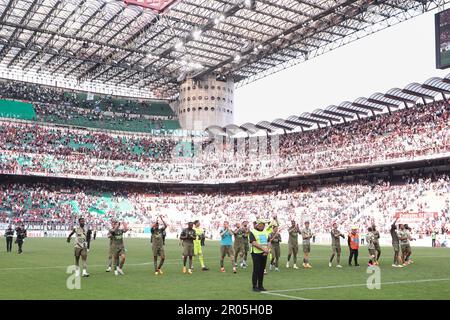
[126, 172]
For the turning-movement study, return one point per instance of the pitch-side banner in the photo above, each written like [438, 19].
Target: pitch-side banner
[415, 217]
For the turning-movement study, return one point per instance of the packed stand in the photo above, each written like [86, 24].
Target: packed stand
[55, 106]
[56, 207]
[405, 135]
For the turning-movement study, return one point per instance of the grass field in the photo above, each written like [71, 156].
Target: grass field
[40, 273]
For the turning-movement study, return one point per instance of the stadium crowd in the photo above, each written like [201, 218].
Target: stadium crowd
[56, 105]
[43, 140]
[56, 207]
[402, 135]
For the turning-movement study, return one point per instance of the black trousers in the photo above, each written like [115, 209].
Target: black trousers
[259, 264]
[353, 253]
[9, 241]
[19, 243]
[433, 242]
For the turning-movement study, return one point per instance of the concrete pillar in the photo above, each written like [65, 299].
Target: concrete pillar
[204, 103]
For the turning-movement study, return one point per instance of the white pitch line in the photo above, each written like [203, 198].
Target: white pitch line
[89, 266]
[356, 285]
[284, 295]
[60, 267]
[167, 261]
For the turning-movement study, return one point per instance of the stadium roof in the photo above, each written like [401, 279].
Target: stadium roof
[151, 49]
[361, 107]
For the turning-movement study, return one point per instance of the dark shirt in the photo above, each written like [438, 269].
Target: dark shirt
[157, 235]
[240, 235]
[275, 240]
[9, 233]
[188, 235]
[21, 233]
[394, 235]
[251, 237]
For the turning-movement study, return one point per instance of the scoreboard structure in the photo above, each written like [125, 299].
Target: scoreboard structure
[442, 25]
[156, 5]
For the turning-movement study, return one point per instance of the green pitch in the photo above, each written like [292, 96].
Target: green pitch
[40, 273]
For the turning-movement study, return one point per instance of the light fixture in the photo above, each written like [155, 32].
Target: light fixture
[179, 45]
[246, 45]
[196, 34]
[250, 4]
[373, 8]
[219, 19]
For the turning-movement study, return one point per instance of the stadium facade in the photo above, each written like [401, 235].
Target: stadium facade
[138, 102]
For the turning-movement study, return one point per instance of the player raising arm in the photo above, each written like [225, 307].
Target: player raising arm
[118, 248]
[274, 241]
[158, 245]
[80, 247]
[396, 245]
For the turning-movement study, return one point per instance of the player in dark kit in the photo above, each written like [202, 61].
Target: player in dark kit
[110, 255]
[240, 238]
[336, 250]
[158, 245]
[9, 235]
[246, 243]
[21, 235]
[88, 238]
[376, 243]
[274, 241]
[396, 245]
[188, 236]
[117, 247]
[293, 231]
